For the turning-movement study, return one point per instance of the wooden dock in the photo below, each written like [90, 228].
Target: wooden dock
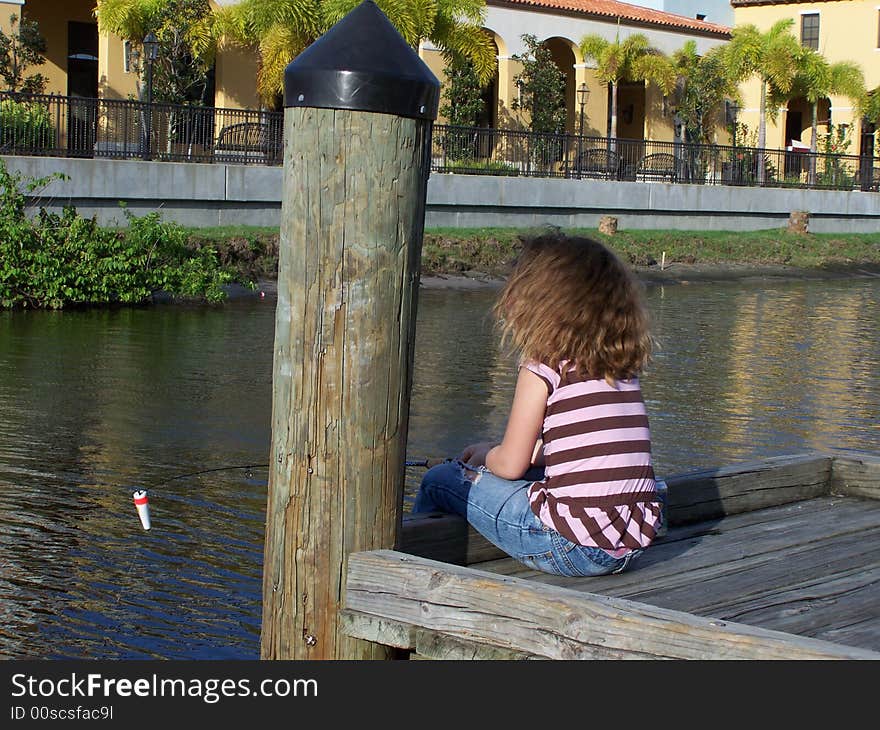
[778, 559]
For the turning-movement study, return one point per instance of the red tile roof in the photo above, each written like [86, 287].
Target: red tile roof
[739, 3]
[625, 11]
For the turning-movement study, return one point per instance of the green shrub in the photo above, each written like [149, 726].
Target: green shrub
[55, 261]
[481, 167]
[25, 125]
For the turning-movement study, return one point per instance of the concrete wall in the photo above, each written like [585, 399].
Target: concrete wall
[212, 195]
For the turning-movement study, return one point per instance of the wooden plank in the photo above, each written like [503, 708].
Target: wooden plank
[825, 608]
[679, 540]
[792, 570]
[447, 538]
[680, 564]
[707, 547]
[693, 497]
[856, 474]
[425, 644]
[379, 630]
[431, 645]
[729, 490]
[553, 622]
[762, 577]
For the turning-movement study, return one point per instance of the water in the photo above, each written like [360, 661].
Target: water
[96, 404]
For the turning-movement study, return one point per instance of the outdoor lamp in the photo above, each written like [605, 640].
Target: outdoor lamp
[151, 47]
[151, 51]
[583, 93]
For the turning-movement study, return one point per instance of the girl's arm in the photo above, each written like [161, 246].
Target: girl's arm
[513, 456]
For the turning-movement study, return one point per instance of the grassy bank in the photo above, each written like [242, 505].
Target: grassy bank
[253, 251]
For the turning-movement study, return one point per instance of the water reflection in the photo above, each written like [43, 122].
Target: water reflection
[96, 404]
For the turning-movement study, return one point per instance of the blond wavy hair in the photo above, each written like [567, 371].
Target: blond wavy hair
[570, 299]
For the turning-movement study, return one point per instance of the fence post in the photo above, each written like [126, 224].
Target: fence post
[866, 156]
[359, 107]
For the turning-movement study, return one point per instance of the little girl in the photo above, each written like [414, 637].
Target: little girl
[570, 488]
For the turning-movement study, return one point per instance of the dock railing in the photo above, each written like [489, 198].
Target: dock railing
[66, 126]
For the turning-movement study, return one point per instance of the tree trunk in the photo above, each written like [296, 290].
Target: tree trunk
[613, 117]
[762, 133]
[813, 142]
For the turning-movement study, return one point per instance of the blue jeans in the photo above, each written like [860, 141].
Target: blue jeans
[499, 510]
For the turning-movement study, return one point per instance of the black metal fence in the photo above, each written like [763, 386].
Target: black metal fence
[122, 129]
[506, 152]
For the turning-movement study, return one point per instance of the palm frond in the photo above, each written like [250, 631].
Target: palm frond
[871, 106]
[130, 19]
[470, 42]
[846, 78]
[657, 69]
[230, 26]
[277, 49]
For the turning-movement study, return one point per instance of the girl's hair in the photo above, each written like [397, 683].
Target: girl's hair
[571, 299]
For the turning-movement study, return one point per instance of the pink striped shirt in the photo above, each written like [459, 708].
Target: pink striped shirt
[598, 486]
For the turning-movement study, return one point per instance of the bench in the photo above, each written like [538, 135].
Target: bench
[598, 162]
[245, 142]
[873, 179]
[656, 166]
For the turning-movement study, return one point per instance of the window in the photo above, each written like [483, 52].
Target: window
[810, 31]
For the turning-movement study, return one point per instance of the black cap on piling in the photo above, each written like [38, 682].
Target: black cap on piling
[363, 64]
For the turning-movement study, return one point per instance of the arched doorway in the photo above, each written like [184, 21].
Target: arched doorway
[799, 121]
[563, 56]
[630, 110]
[798, 138]
[488, 116]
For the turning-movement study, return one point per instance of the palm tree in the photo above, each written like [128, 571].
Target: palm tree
[702, 86]
[772, 57]
[632, 59]
[281, 29]
[871, 110]
[817, 79]
[183, 31]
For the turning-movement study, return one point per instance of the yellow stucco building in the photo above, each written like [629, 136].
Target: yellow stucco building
[82, 62]
[841, 30]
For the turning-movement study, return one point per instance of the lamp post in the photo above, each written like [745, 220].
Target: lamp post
[583, 94]
[151, 51]
[736, 172]
[732, 112]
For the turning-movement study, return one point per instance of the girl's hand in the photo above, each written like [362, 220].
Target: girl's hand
[475, 454]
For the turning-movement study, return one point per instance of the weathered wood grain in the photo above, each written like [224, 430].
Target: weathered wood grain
[691, 552]
[425, 644]
[713, 493]
[553, 622]
[378, 630]
[856, 474]
[808, 568]
[351, 230]
[447, 538]
[765, 577]
[824, 607]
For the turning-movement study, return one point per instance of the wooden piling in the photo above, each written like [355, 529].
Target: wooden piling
[352, 220]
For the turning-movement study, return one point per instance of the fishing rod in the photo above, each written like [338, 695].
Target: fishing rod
[209, 471]
[141, 501]
[426, 463]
